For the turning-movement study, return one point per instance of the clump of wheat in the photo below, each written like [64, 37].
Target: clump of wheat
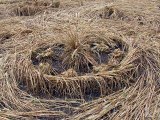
[81, 65]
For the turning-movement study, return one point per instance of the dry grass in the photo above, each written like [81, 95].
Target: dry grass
[139, 101]
[4, 36]
[79, 60]
[76, 58]
[30, 8]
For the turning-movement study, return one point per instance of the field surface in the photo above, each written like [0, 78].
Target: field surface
[79, 59]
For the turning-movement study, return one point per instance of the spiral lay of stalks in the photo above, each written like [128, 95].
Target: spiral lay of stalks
[79, 60]
[139, 101]
[73, 68]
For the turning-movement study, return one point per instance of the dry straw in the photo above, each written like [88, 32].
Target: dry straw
[139, 101]
[117, 74]
[81, 61]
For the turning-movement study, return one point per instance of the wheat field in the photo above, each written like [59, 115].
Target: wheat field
[79, 60]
